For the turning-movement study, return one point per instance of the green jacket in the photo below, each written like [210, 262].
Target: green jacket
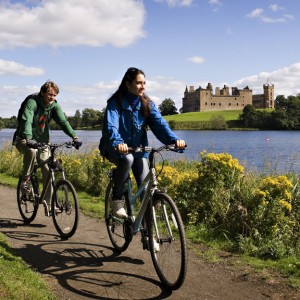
[34, 123]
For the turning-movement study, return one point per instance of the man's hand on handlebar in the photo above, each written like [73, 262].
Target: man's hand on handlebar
[77, 143]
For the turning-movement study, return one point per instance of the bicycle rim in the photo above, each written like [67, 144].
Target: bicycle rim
[65, 211]
[27, 203]
[170, 260]
[116, 227]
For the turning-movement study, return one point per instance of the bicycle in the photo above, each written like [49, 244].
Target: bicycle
[64, 203]
[157, 219]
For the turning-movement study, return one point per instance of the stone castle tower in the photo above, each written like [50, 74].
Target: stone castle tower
[200, 99]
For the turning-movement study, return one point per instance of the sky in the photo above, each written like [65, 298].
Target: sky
[86, 46]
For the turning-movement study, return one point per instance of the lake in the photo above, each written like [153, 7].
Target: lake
[257, 150]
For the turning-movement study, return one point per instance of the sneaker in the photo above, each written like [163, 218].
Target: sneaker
[118, 209]
[155, 245]
[25, 186]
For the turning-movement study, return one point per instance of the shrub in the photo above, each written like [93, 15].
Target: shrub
[218, 190]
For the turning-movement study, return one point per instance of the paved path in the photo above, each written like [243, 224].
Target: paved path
[87, 267]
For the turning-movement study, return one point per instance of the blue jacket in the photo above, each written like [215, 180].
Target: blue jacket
[124, 125]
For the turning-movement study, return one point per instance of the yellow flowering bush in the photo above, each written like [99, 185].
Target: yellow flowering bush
[218, 190]
[181, 185]
[10, 161]
[87, 171]
[271, 219]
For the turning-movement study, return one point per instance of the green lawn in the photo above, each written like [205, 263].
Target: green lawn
[205, 116]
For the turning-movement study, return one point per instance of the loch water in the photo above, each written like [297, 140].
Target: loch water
[264, 151]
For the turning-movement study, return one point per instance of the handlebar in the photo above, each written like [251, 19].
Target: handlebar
[161, 148]
[35, 145]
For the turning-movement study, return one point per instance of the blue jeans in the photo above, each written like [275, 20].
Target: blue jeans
[125, 163]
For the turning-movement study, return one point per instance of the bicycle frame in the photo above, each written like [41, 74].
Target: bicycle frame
[151, 185]
[157, 219]
[53, 164]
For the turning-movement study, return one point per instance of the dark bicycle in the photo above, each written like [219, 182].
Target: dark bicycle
[64, 204]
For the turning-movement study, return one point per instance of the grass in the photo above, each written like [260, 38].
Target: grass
[211, 249]
[17, 280]
[229, 115]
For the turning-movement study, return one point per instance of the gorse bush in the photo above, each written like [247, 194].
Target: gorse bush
[255, 214]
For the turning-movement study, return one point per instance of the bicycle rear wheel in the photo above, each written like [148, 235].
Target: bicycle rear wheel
[116, 227]
[27, 203]
[166, 229]
[65, 211]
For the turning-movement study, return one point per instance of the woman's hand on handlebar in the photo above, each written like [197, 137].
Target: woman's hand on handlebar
[122, 148]
[180, 144]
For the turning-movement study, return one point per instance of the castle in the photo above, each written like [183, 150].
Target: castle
[200, 99]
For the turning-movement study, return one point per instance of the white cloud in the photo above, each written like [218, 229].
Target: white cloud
[196, 59]
[275, 7]
[69, 23]
[215, 4]
[255, 13]
[258, 13]
[11, 67]
[285, 80]
[173, 3]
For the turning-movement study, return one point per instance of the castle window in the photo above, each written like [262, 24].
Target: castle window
[220, 104]
[229, 104]
[205, 103]
[237, 104]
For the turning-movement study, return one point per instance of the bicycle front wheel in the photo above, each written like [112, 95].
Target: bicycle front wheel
[27, 203]
[116, 227]
[65, 211]
[167, 242]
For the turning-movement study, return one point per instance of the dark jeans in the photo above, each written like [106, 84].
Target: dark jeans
[140, 169]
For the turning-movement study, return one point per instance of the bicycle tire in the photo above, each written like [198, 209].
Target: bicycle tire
[170, 261]
[64, 208]
[27, 203]
[117, 228]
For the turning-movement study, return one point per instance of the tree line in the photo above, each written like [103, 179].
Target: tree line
[285, 116]
[89, 118]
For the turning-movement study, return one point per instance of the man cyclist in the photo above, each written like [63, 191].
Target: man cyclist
[34, 116]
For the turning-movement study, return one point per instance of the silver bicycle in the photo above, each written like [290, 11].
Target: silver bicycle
[156, 218]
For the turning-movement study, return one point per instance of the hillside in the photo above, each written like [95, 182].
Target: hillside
[229, 115]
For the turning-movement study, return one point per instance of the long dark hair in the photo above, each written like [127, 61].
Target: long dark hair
[129, 77]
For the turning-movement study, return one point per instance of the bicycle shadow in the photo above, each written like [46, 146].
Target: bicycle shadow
[14, 223]
[94, 271]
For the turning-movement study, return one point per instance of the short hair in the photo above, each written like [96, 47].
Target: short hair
[47, 85]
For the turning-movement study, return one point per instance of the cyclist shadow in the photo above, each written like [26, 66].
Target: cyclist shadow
[14, 223]
[90, 270]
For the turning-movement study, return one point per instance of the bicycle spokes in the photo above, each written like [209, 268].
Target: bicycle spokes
[167, 231]
[27, 202]
[65, 208]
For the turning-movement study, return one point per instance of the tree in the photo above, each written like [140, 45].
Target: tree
[218, 122]
[77, 119]
[249, 116]
[91, 117]
[167, 107]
